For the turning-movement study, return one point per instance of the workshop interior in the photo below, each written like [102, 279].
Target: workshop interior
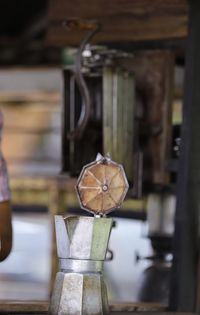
[99, 103]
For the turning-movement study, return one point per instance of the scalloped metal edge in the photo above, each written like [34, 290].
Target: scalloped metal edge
[99, 160]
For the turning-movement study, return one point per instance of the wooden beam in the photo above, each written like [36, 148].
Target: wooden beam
[121, 21]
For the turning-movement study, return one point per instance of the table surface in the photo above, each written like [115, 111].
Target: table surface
[41, 308]
[17, 308]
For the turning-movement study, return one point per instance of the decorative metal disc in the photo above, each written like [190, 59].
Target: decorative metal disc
[102, 186]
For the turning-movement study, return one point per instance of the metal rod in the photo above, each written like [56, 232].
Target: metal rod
[65, 121]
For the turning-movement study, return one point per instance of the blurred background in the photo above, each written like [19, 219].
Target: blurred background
[134, 71]
[31, 104]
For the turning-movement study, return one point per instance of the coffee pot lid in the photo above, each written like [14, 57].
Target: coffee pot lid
[102, 186]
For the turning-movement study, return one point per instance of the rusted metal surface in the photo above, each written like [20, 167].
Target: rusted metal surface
[154, 75]
[102, 186]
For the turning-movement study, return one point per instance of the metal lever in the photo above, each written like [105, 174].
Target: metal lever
[155, 257]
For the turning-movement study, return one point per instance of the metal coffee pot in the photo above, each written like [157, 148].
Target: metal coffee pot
[82, 241]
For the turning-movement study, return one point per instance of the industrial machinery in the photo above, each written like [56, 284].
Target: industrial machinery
[122, 105]
[99, 105]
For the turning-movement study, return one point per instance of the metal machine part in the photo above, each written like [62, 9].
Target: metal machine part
[76, 152]
[82, 86]
[118, 116]
[79, 286]
[102, 186]
[156, 277]
[107, 113]
[160, 214]
[160, 217]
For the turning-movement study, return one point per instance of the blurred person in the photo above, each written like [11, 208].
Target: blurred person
[5, 209]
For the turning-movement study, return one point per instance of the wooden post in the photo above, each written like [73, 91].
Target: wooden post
[184, 279]
[154, 73]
